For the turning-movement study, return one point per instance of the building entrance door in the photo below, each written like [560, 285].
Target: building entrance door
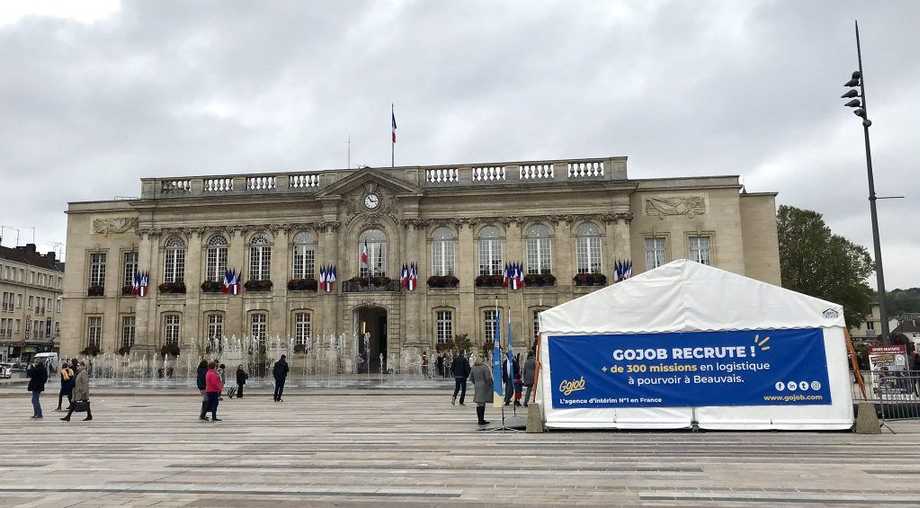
[371, 330]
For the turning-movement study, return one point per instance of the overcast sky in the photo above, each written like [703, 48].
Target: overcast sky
[98, 94]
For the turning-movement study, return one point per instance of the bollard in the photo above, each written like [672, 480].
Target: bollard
[866, 419]
[535, 418]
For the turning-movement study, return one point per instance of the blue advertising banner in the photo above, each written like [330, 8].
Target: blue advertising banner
[692, 369]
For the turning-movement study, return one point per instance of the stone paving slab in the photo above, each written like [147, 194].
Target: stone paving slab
[363, 448]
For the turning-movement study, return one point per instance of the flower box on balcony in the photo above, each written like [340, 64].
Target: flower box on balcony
[258, 285]
[590, 279]
[212, 286]
[302, 285]
[378, 283]
[540, 280]
[174, 288]
[489, 281]
[443, 281]
[95, 291]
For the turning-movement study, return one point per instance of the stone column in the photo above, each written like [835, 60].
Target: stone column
[191, 325]
[234, 319]
[618, 239]
[515, 253]
[329, 321]
[279, 273]
[467, 270]
[143, 339]
[413, 335]
[564, 266]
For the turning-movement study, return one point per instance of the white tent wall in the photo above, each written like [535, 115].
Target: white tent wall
[683, 296]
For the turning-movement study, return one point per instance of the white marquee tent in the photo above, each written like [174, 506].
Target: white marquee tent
[685, 296]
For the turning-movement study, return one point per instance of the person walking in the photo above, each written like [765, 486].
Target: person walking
[38, 376]
[67, 382]
[222, 372]
[482, 384]
[80, 395]
[201, 381]
[213, 387]
[530, 366]
[280, 372]
[425, 364]
[461, 370]
[439, 364]
[241, 377]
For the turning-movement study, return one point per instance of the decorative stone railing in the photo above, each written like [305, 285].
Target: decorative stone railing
[176, 186]
[442, 175]
[261, 183]
[306, 181]
[488, 173]
[220, 184]
[586, 169]
[481, 175]
[536, 172]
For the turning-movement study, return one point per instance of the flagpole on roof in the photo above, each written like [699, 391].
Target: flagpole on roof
[393, 137]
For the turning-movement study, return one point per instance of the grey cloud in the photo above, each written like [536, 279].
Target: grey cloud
[682, 88]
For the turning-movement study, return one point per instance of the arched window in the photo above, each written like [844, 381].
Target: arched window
[216, 328]
[303, 256]
[174, 260]
[539, 250]
[372, 247]
[260, 257]
[588, 248]
[490, 251]
[216, 264]
[443, 251]
[258, 327]
[303, 326]
[172, 329]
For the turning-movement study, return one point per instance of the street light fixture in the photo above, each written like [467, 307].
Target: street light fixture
[857, 79]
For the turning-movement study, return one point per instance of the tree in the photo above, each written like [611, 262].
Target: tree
[816, 262]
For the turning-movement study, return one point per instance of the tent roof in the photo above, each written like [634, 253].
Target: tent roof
[684, 296]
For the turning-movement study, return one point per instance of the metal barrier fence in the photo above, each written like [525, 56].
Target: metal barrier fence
[895, 394]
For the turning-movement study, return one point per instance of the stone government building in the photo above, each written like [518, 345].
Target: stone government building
[564, 221]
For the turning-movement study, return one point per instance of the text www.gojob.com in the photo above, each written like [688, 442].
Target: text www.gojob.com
[792, 398]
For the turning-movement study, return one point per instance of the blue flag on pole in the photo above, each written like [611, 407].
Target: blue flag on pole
[498, 398]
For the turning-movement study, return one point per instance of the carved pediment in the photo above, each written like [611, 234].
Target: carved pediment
[690, 206]
[114, 225]
[363, 179]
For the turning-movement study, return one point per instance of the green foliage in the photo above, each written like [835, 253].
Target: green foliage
[900, 301]
[819, 263]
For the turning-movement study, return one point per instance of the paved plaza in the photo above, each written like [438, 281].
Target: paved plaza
[411, 447]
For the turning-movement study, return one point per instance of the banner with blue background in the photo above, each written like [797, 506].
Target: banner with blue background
[690, 369]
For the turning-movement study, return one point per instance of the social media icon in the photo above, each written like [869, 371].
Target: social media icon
[780, 386]
[803, 385]
[791, 385]
[815, 385]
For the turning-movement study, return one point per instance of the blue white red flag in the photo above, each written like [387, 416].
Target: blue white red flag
[144, 282]
[413, 277]
[393, 117]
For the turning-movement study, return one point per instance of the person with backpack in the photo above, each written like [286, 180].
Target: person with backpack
[461, 370]
[241, 377]
[67, 383]
[80, 395]
[38, 376]
[280, 372]
[201, 382]
[213, 387]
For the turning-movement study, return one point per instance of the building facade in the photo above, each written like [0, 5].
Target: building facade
[564, 222]
[31, 285]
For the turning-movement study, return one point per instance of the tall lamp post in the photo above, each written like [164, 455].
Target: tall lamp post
[861, 111]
